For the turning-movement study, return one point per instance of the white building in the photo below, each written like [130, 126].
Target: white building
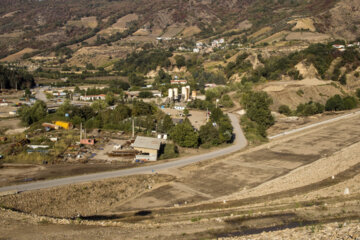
[93, 97]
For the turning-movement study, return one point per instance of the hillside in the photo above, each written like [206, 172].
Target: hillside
[44, 25]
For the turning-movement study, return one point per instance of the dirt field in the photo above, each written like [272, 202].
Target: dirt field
[307, 36]
[17, 56]
[256, 190]
[17, 174]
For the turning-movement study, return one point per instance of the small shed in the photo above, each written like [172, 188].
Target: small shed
[148, 146]
[87, 141]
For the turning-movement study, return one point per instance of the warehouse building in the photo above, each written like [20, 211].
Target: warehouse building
[148, 148]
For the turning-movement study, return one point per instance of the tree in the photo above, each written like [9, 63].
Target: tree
[209, 135]
[180, 61]
[162, 77]
[35, 113]
[334, 103]
[141, 108]
[27, 93]
[184, 135]
[121, 112]
[110, 99]
[358, 93]
[186, 112]
[343, 80]
[166, 124]
[170, 151]
[98, 105]
[257, 109]
[145, 94]
[284, 109]
[136, 80]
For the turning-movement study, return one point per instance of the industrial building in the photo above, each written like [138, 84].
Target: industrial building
[148, 148]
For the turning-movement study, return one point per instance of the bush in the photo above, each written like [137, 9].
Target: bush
[337, 103]
[284, 109]
[145, 94]
[358, 92]
[184, 135]
[170, 151]
[310, 108]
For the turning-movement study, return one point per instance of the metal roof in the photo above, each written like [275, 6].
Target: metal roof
[147, 142]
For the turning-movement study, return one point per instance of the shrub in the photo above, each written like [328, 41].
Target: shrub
[284, 109]
[310, 108]
[170, 151]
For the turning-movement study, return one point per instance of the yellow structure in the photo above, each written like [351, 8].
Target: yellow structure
[65, 125]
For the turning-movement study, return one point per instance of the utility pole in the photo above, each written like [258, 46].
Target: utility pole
[80, 131]
[133, 128]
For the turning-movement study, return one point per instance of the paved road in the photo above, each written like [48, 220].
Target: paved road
[239, 143]
[41, 95]
[316, 124]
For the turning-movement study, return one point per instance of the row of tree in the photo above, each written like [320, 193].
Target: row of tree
[15, 79]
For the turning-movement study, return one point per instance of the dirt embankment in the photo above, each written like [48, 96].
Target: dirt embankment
[82, 199]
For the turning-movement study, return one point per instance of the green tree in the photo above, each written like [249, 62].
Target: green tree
[180, 61]
[184, 135]
[284, 109]
[35, 113]
[141, 108]
[121, 112]
[98, 105]
[343, 80]
[110, 99]
[334, 103]
[136, 80]
[209, 135]
[170, 151]
[166, 124]
[358, 93]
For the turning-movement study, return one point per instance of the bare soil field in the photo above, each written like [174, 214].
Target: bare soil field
[285, 184]
[17, 174]
[90, 22]
[303, 24]
[307, 36]
[17, 56]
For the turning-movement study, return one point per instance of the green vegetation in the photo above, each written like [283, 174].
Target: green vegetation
[145, 94]
[170, 151]
[15, 79]
[338, 103]
[310, 108]
[258, 116]
[35, 113]
[241, 65]
[257, 109]
[284, 109]
[144, 61]
[184, 135]
[320, 55]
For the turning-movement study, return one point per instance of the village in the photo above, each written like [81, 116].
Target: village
[94, 145]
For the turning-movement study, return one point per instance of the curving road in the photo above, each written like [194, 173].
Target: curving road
[239, 143]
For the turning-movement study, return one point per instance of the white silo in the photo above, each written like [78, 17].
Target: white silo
[183, 93]
[171, 93]
[187, 96]
[176, 93]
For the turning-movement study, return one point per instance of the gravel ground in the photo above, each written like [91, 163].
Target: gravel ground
[314, 172]
[330, 231]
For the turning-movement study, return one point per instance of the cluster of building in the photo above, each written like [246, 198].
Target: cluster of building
[342, 47]
[200, 46]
